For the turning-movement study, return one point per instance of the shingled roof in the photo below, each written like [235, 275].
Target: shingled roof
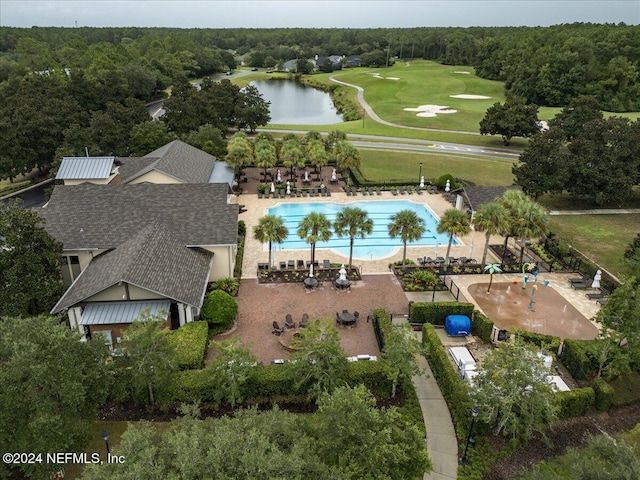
[93, 217]
[478, 196]
[175, 159]
[152, 259]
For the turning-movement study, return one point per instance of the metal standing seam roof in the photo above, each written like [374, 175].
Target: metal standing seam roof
[109, 313]
[222, 173]
[90, 168]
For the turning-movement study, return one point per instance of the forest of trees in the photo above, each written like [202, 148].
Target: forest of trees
[64, 89]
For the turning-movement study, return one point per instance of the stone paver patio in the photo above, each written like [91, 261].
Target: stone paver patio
[261, 304]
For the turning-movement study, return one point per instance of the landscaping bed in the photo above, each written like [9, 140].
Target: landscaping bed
[298, 275]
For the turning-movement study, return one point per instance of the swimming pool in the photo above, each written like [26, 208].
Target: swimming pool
[373, 246]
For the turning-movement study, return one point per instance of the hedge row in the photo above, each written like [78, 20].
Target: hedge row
[575, 358]
[604, 394]
[454, 389]
[437, 312]
[269, 382]
[575, 403]
[190, 344]
[481, 326]
[547, 342]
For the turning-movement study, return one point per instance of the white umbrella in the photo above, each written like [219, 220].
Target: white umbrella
[447, 187]
[422, 181]
[273, 187]
[342, 272]
[334, 176]
[288, 188]
[311, 269]
[306, 176]
[596, 280]
[278, 177]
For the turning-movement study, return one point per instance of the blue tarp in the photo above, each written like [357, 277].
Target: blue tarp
[458, 325]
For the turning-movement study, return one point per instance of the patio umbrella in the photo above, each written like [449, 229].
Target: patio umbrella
[278, 177]
[306, 176]
[288, 188]
[343, 273]
[447, 187]
[334, 177]
[596, 280]
[422, 181]
[273, 187]
[311, 269]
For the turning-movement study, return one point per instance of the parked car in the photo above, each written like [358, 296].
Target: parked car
[254, 69]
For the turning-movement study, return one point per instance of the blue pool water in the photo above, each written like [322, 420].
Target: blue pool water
[373, 246]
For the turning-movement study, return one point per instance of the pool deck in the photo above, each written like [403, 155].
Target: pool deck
[255, 252]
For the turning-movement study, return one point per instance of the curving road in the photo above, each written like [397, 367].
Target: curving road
[421, 145]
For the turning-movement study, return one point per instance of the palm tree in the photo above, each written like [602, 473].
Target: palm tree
[491, 218]
[354, 222]
[511, 200]
[270, 228]
[314, 227]
[317, 155]
[453, 222]
[533, 223]
[292, 155]
[265, 155]
[407, 225]
[491, 268]
[347, 156]
[239, 151]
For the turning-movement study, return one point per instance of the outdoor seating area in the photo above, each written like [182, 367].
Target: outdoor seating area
[347, 319]
[293, 192]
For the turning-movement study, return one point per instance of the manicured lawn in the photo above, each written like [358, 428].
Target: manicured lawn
[386, 166]
[96, 443]
[602, 238]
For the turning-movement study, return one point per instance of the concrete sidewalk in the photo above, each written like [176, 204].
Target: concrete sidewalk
[441, 436]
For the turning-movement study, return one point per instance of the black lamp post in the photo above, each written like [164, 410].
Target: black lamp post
[474, 414]
[105, 437]
[420, 174]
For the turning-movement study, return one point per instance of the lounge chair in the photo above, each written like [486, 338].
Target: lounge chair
[291, 264]
[304, 321]
[283, 265]
[602, 301]
[394, 192]
[328, 192]
[288, 322]
[581, 285]
[300, 264]
[379, 191]
[584, 279]
[326, 264]
[277, 329]
[418, 190]
[601, 294]
[259, 194]
[410, 190]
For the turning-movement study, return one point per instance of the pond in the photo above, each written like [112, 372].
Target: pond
[295, 104]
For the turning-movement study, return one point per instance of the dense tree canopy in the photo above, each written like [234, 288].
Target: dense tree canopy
[30, 262]
[52, 386]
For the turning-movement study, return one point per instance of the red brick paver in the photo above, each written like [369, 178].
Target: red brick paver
[261, 304]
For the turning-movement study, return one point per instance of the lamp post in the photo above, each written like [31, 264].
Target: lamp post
[105, 437]
[420, 174]
[474, 413]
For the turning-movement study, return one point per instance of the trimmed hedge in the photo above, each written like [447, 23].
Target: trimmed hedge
[454, 389]
[549, 342]
[603, 394]
[190, 344]
[481, 326]
[575, 403]
[575, 358]
[437, 312]
[269, 383]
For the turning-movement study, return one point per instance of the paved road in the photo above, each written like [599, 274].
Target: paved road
[32, 197]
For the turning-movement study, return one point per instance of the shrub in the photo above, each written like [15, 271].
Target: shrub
[242, 229]
[228, 285]
[454, 389]
[575, 358]
[481, 326]
[603, 394]
[441, 182]
[575, 403]
[190, 344]
[437, 312]
[219, 308]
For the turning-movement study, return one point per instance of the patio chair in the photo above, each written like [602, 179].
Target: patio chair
[379, 191]
[259, 194]
[326, 264]
[585, 279]
[581, 285]
[277, 329]
[602, 301]
[418, 190]
[300, 263]
[601, 294]
[394, 192]
[410, 190]
[356, 314]
[305, 320]
[291, 264]
[283, 265]
[328, 192]
[288, 322]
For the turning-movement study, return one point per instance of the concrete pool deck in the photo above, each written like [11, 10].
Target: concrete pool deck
[255, 252]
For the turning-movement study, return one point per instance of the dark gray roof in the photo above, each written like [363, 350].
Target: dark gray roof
[108, 313]
[477, 196]
[131, 166]
[180, 161]
[152, 259]
[92, 217]
[90, 168]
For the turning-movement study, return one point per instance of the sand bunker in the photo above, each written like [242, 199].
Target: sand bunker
[464, 73]
[429, 110]
[377, 75]
[470, 97]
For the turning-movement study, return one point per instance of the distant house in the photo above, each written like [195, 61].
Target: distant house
[289, 66]
[133, 247]
[352, 61]
[175, 162]
[329, 64]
